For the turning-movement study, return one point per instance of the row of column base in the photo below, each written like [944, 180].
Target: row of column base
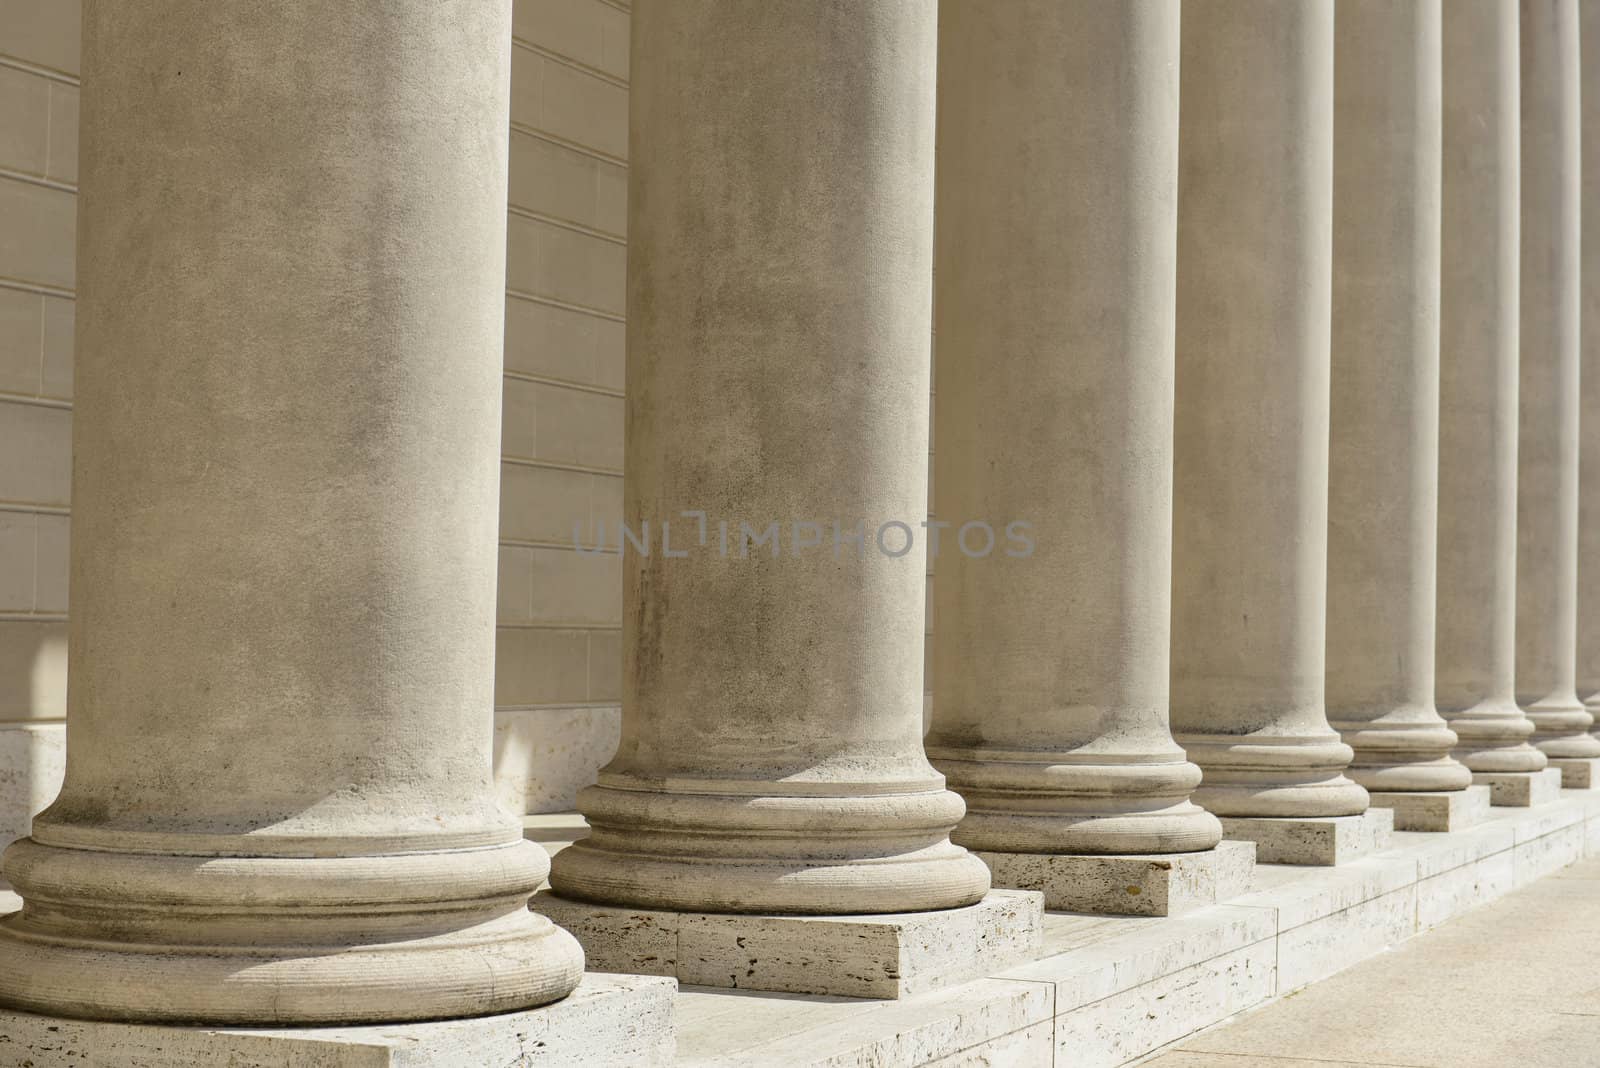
[627, 1018]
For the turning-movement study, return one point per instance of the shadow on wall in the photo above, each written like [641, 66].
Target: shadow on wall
[544, 756]
[33, 706]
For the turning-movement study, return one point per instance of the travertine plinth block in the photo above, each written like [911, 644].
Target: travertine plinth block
[1321, 841]
[608, 1020]
[1149, 884]
[891, 955]
[1435, 810]
[1521, 789]
[1578, 773]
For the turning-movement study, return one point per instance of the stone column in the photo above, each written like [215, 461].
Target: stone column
[1547, 484]
[278, 804]
[1053, 407]
[1384, 414]
[1588, 664]
[779, 290]
[1251, 471]
[1477, 547]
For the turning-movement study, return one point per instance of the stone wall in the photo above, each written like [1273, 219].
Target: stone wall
[38, 175]
[559, 651]
[559, 656]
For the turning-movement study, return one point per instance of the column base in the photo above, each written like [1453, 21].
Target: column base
[770, 848]
[274, 941]
[1578, 773]
[891, 955]
[1322, 841]
[1450, 810]
[607, 1020]
[1147, 884]
[1520, 789]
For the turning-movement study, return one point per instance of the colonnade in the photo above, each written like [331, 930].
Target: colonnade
[1285, 461]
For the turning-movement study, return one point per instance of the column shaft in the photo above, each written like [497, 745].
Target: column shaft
[1547, 485]
[1251, 471]
[1384, 413]
[780, 258]
[1588, 663]
[1057, 185]
[1477, 546]
[278, 805]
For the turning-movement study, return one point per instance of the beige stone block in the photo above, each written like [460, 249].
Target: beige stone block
[605, 665]
[527, 86]
[607, 1020]
[50, 590]
[1435, 811]
[879, 956]
[544, 756]
[543, 503]
[518, 423]
[585, 109]
[33, 670]
[514, 585]
[1446, 895]
[59, 334]
[571, 587]
[542, 339]
[1151, 884]
[1578, 773]
[567, 103]
[611, 199]
[606, 504]
[1334, 942]
[21, 341]
[63, 162]
[1521, 789]
[566, 265]
[610, 355]
[1319, 840]
[616, 36]
[1547, 854]
[987, 1023]
[33, 757]
[44, 32]
[1132, 1022]
[578, 427]
[38, 227]
[555, 180]
[577, 29]
[36, 442]
[538, 666]
[1029, 1045]
[24, 120]
[18, 560]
